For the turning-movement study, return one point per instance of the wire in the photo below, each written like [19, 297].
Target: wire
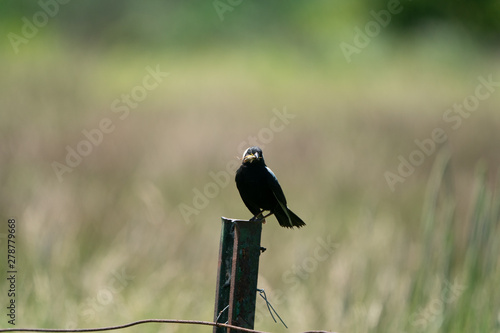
[140, 322]
[262, 294]
[221, 312]
[134, 323]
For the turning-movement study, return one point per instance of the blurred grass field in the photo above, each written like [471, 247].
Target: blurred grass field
[108, 244]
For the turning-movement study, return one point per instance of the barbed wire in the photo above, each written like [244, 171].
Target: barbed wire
[139, 322]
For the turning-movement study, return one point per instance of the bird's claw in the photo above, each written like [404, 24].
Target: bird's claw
[258, 218]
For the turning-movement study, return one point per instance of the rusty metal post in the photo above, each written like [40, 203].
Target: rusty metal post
[237, 275]
[245, 270]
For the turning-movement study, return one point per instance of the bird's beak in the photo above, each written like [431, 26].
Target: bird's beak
[250, 157]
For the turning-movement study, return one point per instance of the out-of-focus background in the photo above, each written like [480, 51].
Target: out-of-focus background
[122, 122]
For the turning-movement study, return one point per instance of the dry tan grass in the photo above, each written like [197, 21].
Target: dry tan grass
[117, 213]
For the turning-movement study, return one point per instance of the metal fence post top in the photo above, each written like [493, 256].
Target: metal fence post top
[226, 219]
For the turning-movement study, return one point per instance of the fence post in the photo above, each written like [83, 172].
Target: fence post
[237, 274]
[224, 274]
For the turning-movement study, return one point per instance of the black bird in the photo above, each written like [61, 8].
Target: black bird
[260, 190]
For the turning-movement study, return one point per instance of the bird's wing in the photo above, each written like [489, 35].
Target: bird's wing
[277, 191]
[273, 183]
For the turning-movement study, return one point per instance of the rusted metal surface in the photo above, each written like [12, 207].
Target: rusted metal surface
[245, 269]
[237, 276]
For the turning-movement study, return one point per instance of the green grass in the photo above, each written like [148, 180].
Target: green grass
[109, 245]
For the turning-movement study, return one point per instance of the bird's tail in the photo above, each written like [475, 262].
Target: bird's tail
[288, 219]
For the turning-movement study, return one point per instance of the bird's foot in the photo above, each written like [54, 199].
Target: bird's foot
[258, 218]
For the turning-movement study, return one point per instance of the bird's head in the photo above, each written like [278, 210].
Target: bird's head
[253, 155]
